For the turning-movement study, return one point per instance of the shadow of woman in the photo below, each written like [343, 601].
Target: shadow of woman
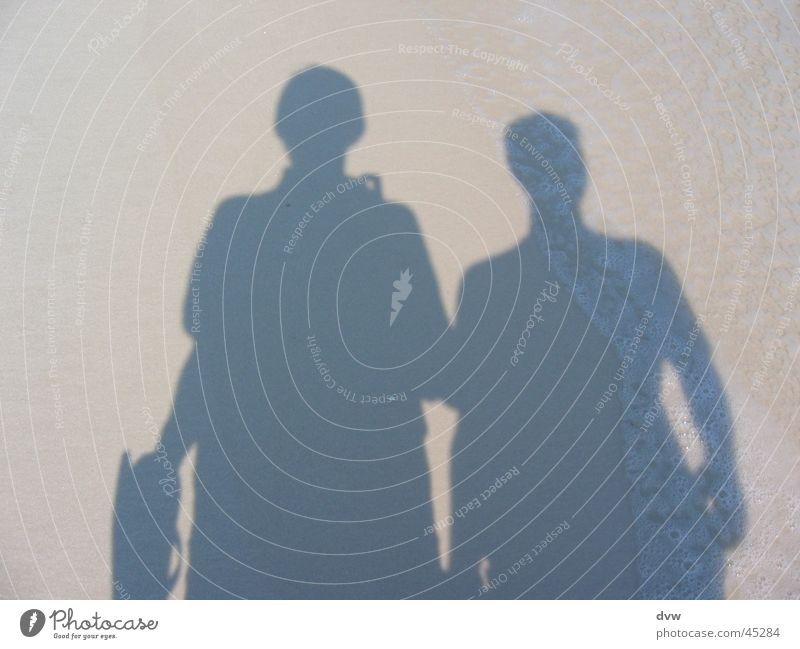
[316, 321]
[571, 473]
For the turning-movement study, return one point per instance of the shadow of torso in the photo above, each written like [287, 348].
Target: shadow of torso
[302, 400]
[542, 471]
[675, 410]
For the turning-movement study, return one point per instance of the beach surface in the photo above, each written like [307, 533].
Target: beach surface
[127, 124]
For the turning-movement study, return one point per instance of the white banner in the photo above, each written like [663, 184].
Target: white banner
[401, 624]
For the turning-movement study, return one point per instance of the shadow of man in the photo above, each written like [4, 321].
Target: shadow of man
[316, 320]
[586, 337]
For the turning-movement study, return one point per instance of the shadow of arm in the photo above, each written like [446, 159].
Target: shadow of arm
[708, 408]
[145, 538]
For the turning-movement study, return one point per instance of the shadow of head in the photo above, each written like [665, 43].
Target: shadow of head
[319, 115]
[544, 153]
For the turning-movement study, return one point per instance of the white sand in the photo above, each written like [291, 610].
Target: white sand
[103, 200]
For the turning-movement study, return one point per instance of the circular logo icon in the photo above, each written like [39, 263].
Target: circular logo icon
[31, 622]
